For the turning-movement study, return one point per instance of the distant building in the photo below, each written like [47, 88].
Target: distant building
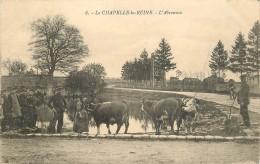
[187, 84]
[191, 81]
[209, 83]
[253, 80]
[191, 84]
[254, 86]
[175, 81]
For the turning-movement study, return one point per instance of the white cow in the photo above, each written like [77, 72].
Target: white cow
[189, 113]
[45, 114]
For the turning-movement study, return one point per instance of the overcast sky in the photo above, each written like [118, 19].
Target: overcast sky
[113, 40]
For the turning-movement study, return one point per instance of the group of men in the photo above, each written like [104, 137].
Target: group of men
[18, 110]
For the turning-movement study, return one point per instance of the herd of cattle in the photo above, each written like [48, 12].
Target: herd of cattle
[117, 112]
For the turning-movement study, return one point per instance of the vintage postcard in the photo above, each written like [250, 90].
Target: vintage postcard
[131, 81]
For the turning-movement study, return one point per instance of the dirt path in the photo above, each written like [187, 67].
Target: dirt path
[58, 150]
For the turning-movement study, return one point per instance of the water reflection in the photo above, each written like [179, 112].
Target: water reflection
[139, 122]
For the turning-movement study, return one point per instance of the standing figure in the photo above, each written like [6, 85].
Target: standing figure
[1, 110]
[58, 103]
[32, 114]
[243, 100]
[22, 98]
[81, 117]
[16, 109]
[7, 112]
[232, 89]
[71, 107]
[93, 97]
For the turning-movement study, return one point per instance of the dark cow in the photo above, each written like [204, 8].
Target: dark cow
[115, 112]
[168, 106]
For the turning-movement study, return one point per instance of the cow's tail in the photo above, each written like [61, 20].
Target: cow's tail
[124, 101]
[126, 115]
[127, 106]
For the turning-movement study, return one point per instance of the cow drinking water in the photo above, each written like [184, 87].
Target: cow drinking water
[168, 106]
[110, 113]
[189, 113]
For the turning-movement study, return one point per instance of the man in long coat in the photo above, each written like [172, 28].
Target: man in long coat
[58, 103]
[24, 107]
[16, 109]
[32, 114]
[243, 100]
[7, 112]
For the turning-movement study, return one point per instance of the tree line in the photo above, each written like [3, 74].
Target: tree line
[140, 69]
[17, 67]
[243, 58]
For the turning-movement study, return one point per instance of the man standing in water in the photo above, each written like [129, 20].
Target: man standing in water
[243, 100]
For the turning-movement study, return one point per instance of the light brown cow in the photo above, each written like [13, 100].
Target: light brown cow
[45, 114]
[169, 106]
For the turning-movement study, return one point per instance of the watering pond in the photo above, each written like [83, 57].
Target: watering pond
[135, 126]
[139, 122]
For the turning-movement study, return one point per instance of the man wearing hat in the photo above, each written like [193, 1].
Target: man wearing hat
[58, 103]
[243, 100]
[7, 112]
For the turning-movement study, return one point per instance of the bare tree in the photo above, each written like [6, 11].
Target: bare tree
[179, 74]
[14, 67]
[199, 75]
[57, 46]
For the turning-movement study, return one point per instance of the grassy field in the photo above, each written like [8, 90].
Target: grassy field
[212, 116]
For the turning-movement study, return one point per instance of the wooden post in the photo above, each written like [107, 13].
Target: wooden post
[152, 70]
[1, 101]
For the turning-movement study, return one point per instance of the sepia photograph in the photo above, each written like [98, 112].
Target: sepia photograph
[130, 81]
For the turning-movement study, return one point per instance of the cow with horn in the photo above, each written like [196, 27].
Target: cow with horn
[169, 106]
[110, 113]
